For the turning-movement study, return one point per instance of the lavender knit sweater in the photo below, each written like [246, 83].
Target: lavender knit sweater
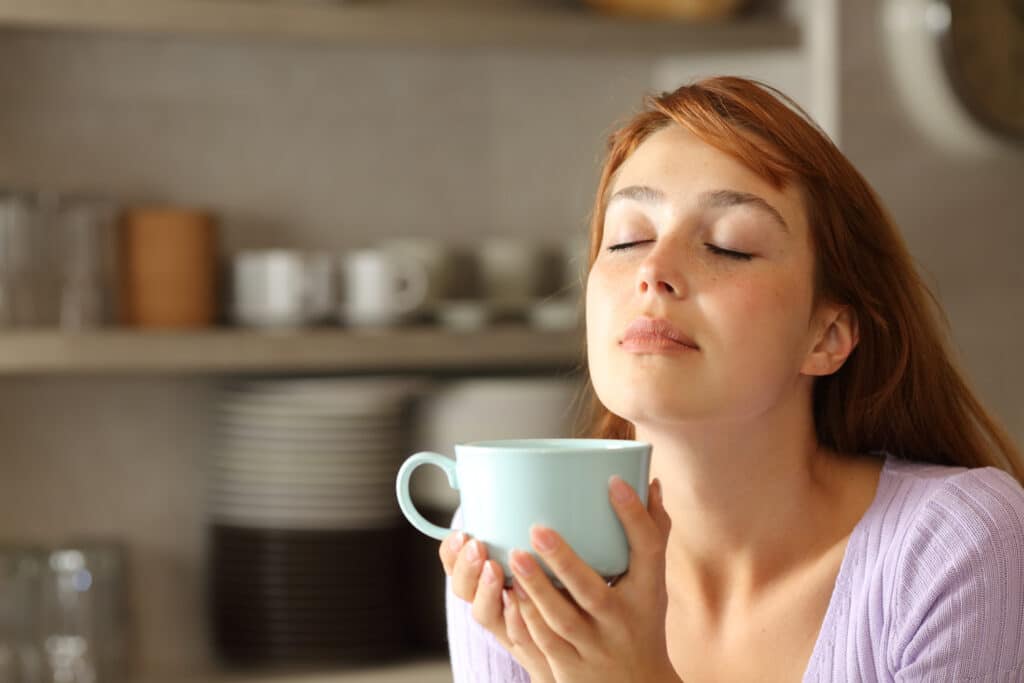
[931, 588]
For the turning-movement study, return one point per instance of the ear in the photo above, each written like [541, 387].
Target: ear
[836, 339]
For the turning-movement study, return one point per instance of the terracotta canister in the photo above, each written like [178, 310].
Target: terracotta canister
[169, 267]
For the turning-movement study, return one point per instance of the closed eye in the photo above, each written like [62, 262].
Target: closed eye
[627, 245]
[738, 255]
[728, 253]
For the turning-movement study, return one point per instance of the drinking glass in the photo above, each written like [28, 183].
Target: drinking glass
[84, 614]
[84, 229]
[20, 572]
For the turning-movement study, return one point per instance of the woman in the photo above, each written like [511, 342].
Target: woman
[830, 501]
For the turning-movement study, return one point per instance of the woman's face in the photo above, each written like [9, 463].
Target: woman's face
[696, 247]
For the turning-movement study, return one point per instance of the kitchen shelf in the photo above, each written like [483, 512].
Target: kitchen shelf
[405, 23]
[227, 350]
[421, 671]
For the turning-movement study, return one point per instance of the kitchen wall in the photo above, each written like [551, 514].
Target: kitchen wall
[318, 145]
[315, 144]
[962, 218]
[292, 144]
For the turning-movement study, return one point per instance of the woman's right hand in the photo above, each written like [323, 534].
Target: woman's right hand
[480, 581]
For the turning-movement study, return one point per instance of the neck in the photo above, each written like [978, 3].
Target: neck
[749, 502]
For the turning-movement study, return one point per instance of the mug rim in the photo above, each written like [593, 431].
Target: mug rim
[553, 444]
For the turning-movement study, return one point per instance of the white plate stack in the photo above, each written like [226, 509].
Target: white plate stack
[305, 532]
[309, 454]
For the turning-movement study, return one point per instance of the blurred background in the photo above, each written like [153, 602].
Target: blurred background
[253, 253]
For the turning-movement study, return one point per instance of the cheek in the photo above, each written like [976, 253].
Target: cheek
[596, 308]
[600, 330]
[764, 321]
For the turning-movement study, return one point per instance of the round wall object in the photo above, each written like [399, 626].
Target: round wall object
[959, 69]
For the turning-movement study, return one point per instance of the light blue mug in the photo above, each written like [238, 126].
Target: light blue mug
[506, 486]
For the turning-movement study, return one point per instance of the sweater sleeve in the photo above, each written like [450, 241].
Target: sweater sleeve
[476, 655]
[959, 599]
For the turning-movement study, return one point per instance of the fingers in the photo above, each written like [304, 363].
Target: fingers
[551, 607]
[468, 566]
[587, 588]
[522, 644]
[449, 549]
[646, 538]
[540, 632]
[487, 609]
[515, 627]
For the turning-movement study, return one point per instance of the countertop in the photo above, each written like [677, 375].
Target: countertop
[417, 671]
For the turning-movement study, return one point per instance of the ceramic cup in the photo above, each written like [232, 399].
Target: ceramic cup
[506, 486]
[511, 272]
[381, 287]
[435, 257]
[282, 288]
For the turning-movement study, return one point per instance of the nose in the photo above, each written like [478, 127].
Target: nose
[659, 275]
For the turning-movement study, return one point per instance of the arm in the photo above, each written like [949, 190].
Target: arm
[959, 602]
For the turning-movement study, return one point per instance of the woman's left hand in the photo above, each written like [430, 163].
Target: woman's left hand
[598, 632]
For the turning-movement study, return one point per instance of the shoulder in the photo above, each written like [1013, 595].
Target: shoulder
[958, 598]
[936, 505]
[959, 509]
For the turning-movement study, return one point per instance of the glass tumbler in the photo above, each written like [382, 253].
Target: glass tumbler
[19, 218]
[20, 574]
[86, 253]
[84, 614]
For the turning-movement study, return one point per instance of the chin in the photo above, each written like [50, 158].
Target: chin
[650, 415]
[645, 402]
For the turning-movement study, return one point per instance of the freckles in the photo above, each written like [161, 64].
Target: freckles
[780, 296]
[747, 295]
[752, 301]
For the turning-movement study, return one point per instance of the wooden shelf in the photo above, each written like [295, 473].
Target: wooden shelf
[404, 23]
[243, 351]
[421, 671]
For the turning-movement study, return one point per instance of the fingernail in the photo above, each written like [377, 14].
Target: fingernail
[489, 576]
[474, 552]
[520, 593]
[457, 541]
[656, 489]
[521, 562]
[621, 491]
[543, 538]
[505, 599]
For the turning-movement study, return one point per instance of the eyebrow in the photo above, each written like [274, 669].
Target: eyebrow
[712, 199]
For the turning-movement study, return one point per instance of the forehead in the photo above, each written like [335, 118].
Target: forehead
[683, 166]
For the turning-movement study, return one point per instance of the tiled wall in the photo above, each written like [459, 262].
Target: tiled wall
[311, 146]
[119, 458]
[315, 145]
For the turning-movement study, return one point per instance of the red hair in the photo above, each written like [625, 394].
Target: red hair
[900, 389]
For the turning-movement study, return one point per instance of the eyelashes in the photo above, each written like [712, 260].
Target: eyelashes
[727, 253]
[627, 245]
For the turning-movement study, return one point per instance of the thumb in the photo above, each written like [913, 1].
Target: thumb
[656, 507]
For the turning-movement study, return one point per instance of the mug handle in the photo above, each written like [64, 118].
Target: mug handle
[415, 277]
[405, 500]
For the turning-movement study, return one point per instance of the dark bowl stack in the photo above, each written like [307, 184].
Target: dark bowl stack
[306, 542]
[294, 596]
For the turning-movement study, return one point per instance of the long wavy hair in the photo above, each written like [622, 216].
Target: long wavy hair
[900, 390]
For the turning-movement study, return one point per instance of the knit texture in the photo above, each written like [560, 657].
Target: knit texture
[931, 588]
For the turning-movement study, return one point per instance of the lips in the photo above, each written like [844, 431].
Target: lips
[656, 335]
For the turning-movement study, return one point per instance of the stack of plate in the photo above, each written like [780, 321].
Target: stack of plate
[305, 533]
